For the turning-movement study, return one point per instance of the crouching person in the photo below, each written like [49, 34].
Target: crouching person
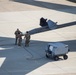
[43, 22]
[27, 38]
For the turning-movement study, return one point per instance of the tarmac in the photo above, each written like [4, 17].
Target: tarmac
[25, 15]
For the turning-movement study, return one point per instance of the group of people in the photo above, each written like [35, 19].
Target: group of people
[18, 38]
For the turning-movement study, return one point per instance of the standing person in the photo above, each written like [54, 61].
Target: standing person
[27, 37]
[17, 32]
[19, 39]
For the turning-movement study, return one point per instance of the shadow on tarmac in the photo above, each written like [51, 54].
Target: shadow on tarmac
[72, 0]
[48, 5]
[43, 29]
[16, 61]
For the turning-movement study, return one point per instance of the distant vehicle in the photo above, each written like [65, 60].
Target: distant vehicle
[54, 50]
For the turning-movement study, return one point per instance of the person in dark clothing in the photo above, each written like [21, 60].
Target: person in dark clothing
[17, 33]
[43, 22]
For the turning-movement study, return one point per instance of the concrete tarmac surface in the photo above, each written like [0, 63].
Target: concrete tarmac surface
[25, 15]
